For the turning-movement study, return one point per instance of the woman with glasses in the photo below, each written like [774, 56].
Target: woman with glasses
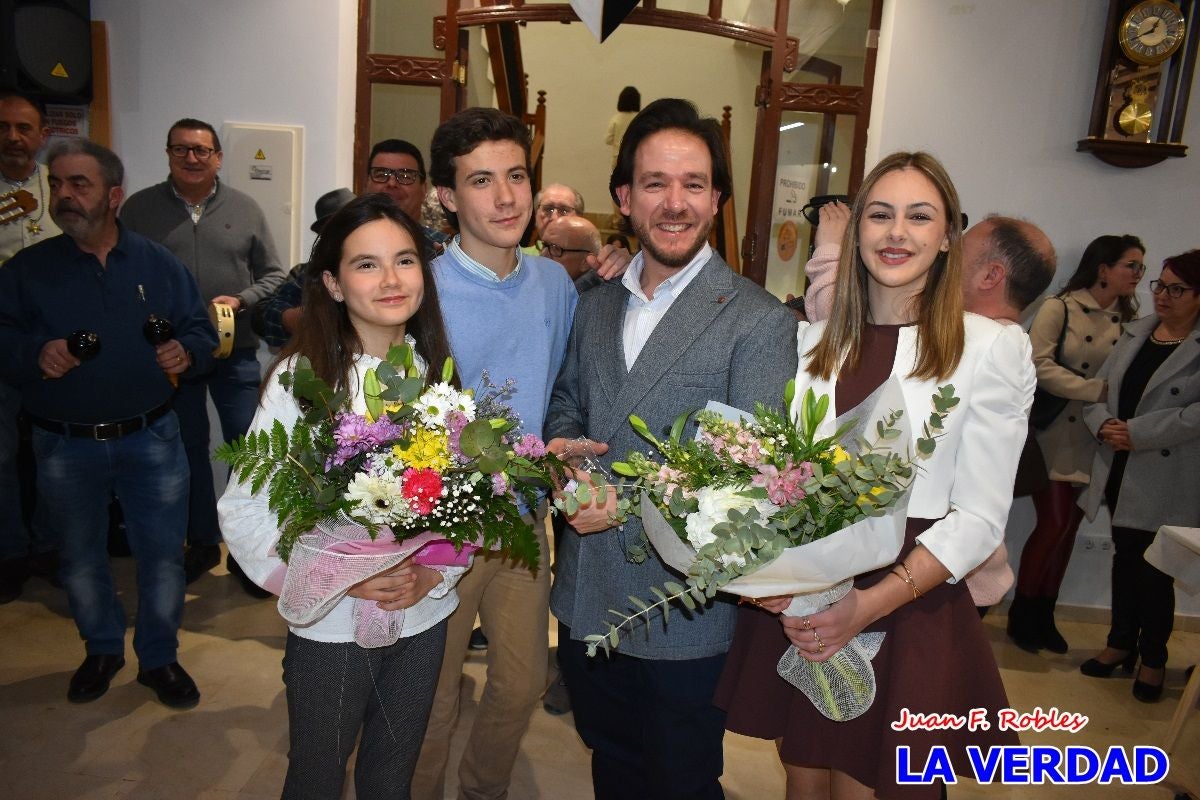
[1149, 427]
[1072, 335]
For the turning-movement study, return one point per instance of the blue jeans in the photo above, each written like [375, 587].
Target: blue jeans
[16, 540]
[233, 383]
[148, 473]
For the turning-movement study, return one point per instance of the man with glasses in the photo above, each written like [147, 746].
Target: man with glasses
[397, 169]
[569, 241]
[221, 235]
[553, 202]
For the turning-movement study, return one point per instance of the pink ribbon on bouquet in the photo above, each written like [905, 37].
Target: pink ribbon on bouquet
[327, 563]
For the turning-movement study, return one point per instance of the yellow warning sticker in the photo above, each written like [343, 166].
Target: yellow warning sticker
[260, 156]
[59, 71]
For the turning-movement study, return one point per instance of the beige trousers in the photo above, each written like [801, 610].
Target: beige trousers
[513, 605]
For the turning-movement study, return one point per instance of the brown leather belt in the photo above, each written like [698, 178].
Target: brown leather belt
[102, 431]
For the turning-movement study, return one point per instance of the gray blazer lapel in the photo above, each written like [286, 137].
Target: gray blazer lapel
[693, 311]
[610, 351]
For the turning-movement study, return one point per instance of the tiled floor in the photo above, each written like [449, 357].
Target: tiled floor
[234, 744]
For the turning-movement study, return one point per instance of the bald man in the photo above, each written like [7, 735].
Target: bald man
[569, 241]
[1007, 264]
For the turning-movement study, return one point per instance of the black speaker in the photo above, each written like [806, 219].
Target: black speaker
[46, 49]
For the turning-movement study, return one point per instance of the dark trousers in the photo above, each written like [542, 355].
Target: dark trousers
[1048, 550]
[1143, 599]
[651, 725]
[334, 689]
[233, 384]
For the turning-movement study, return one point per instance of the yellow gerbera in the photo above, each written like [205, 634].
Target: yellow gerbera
[426, 450]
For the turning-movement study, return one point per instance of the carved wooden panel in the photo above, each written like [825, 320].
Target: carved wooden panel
[439, 33]
[829, 99]
[405, 69]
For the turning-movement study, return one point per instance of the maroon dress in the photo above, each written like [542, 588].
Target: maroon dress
[934, 659]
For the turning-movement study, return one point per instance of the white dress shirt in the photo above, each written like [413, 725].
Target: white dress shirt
[642, 313]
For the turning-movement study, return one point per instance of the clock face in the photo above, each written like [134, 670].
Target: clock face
[1151, 31]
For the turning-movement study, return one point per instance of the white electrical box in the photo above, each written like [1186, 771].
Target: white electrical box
[266, 162]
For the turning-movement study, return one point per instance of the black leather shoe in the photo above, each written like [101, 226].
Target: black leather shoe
[1052, 639]
[477, 641]
[172, 684]
[200, 559]
[92, 678]
[248, 586]
[1148, 692]
[1095, 668]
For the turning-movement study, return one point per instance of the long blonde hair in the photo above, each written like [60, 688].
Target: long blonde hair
[939, 309]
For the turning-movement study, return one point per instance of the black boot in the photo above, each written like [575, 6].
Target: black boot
[1051, 638]
[1025, 623]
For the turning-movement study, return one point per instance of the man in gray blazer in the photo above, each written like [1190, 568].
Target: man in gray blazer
[680, 329]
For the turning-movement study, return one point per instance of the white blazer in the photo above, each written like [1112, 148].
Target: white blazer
[967, 483]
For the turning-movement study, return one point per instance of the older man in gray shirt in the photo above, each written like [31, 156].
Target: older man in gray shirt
[222, 237]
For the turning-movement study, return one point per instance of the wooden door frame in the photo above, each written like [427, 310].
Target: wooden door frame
[772, 96]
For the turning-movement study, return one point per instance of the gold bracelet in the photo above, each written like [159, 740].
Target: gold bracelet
[908, 578]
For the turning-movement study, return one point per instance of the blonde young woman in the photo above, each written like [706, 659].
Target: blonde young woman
[898, 311]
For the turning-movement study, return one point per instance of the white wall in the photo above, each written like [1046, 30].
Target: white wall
[1000, 91]
[276, 61]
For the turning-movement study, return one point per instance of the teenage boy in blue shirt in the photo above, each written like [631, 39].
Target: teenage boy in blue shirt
[509, 314]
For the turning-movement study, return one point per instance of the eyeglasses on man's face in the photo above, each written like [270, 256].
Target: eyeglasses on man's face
[1137, 267]
[553, 210]
[404, 177]
[1174, 290]
[556, 251]
[181, 151]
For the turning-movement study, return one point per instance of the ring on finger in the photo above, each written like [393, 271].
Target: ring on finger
[817, 639]
[807, 623]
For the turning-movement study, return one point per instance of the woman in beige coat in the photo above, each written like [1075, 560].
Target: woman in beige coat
[1086, 317]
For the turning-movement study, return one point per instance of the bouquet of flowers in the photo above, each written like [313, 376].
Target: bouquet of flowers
[763, 505]
[432, 473]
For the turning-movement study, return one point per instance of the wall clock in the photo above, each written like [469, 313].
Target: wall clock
[1144, 79]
